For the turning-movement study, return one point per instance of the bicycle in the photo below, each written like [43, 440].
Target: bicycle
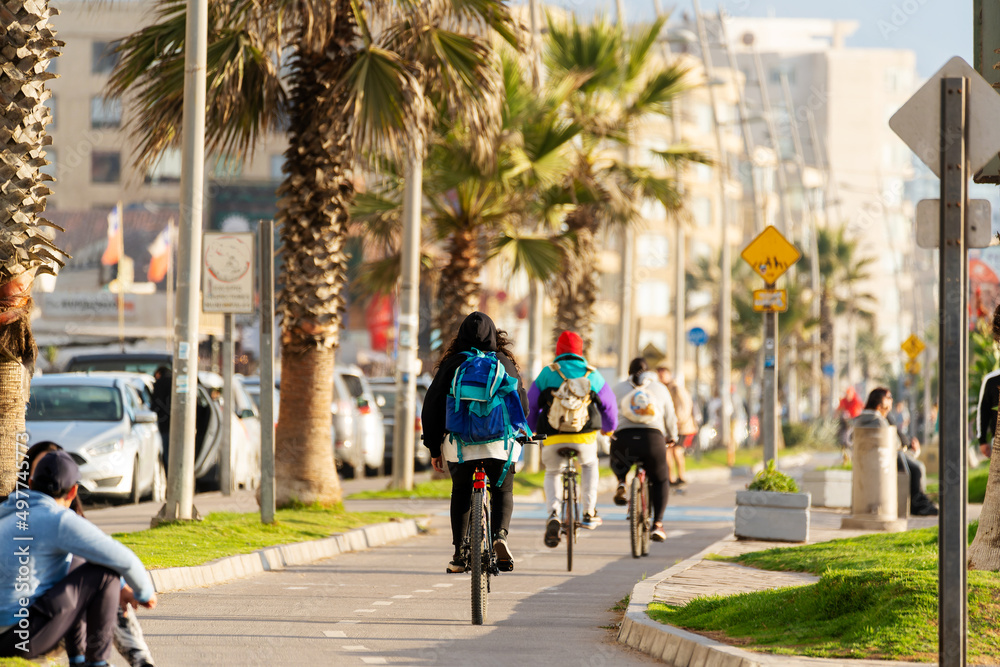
[638, 514]
[571, 521]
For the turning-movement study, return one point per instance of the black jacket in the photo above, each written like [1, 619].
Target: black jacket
[986, 417]
[479, 332]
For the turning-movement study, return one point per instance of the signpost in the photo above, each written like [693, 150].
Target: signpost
[697, 337]
[227, 287]
[770, 255]
[950, 124]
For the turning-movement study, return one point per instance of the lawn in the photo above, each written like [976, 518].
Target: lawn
[227, 534]
[876, 599]
[978, 477]
[525, 483]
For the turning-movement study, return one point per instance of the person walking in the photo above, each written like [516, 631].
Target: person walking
[476, 333]
[647, 429]
[570, 402]
[687, 428]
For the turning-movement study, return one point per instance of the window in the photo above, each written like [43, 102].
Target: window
[105, 112]
[653, 298]
[103, 57]
[703, 173]
[105, 167]
[701, 211]
[653, 251]
[227, 166]
[51, 104]
[774, 75]
[167, 169]
[703, 118]
[50, 168]
[277, 164]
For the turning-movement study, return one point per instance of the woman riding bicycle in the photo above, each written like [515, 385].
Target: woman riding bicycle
[477, 332]
[646, 423]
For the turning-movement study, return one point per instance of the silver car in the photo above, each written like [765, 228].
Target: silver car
[103, 423]
[358, 433]
[385, 398]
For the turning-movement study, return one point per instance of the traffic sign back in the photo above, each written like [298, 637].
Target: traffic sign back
[770, 254]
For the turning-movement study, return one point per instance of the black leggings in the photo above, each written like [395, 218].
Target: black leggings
[502, 498]
[648, 446]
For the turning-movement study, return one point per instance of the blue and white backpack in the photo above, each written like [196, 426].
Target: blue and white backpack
[483, 405]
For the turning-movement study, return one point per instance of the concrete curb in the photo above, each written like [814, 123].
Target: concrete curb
[686, 649]
[270, 559]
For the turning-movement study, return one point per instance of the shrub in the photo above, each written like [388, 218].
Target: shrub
[772, 479]
[816, 434]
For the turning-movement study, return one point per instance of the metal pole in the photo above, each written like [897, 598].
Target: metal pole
[267, 506]
[172, 235]
[953, 596]
[121, 276]
[533, 455]
[769, 398]
[725, 285]
[180, 485]
[628, 253]
[816, 366]
[409, 314]
[226, 451]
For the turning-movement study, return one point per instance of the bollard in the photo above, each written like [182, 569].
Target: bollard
[874, 503]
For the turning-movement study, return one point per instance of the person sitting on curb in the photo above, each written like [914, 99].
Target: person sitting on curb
[876, 412]
[574, 428]
[50, 595]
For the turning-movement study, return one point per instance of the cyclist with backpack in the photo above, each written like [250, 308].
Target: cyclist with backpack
[646, 427]
[473, 411]
[570, 402]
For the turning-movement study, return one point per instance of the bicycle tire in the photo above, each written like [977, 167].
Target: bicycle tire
[569, 516]
[646, 518]
[635, 517]
[478, 556]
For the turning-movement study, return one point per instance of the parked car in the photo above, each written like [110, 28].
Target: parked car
[103, 423]
[358, 431]
[251, 383]
[134, 362]
[385, 397]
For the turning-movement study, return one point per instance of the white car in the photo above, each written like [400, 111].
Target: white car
[103, 423]
[358, 432]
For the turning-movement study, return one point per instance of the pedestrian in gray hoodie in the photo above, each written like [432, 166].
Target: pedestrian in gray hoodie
[646, 424]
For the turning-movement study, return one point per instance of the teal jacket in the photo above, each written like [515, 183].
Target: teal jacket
[603, 412]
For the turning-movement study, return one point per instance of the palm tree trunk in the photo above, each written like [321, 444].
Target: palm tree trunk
[460, 278]
[12, 381]
[575, 291]
[984, 552]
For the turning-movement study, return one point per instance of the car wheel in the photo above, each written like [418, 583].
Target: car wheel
[159, 493]
[135, 494]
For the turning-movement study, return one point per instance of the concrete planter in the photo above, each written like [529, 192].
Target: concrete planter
[768, 515]
[828, 488]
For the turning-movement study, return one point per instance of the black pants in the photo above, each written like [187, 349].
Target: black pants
[80, 608]
[645, 445]
[502, 497]
[918, 499]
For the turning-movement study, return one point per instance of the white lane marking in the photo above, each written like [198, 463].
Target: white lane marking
[443, 585]
[382, 604]
[335, 633]
[348, 622]
[364, 611]
[677, 533]
[296, 588]
[374, 661]
[423, 590]
[356, 647]
[401, 597]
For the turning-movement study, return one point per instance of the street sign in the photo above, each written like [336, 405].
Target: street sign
[913, 367]
[978, 225]
[770, 300]
[697, 336]
[228, 276]
[918, 122]
[770, 254]
[828, 370]
[913, 346]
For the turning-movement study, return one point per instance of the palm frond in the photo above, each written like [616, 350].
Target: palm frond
[539, 256]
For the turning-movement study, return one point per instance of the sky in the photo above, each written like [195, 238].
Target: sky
[935, 30]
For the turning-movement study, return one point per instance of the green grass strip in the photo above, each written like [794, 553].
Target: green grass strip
[978, 477]
[20, 662]
[876, 599]
[227, 534]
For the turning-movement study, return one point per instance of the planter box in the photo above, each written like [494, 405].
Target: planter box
[771, 516]
[828, 488]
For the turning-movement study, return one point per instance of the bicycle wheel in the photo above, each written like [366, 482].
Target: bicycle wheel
[635, 517]
[569, 517]
[478, 556]
[646, 518]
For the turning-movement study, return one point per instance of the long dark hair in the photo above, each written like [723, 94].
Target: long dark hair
[504, 346]
[637, 368]
[875, 398]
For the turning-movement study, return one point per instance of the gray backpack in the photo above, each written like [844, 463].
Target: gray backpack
[570, 402]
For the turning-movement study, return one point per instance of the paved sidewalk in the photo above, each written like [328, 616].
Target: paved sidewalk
[697, 577]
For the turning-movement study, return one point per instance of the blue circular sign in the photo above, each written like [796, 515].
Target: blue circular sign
[697, 336]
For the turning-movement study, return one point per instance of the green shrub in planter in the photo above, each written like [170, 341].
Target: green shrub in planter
[772, 479]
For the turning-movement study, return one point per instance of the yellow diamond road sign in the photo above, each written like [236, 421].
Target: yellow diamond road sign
[913, 367]
[770, 254]
[913, 346]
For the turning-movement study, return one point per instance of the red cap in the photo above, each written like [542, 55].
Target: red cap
[569, 343]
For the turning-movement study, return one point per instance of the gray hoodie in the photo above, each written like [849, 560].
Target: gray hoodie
[661, 396]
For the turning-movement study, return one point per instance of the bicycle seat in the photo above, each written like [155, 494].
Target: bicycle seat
[567, 452]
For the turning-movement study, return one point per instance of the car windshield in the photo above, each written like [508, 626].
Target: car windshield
[354, 385]
[137, 365]
[74, 403]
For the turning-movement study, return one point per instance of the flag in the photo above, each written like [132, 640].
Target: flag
[112, 252]
[160, 249]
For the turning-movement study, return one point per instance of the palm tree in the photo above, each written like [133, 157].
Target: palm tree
[25, 250]
[984, 552]
[621, 84]
[362, 77]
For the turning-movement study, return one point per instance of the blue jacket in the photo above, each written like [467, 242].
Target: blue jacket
[42, 536]
[603, 412]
